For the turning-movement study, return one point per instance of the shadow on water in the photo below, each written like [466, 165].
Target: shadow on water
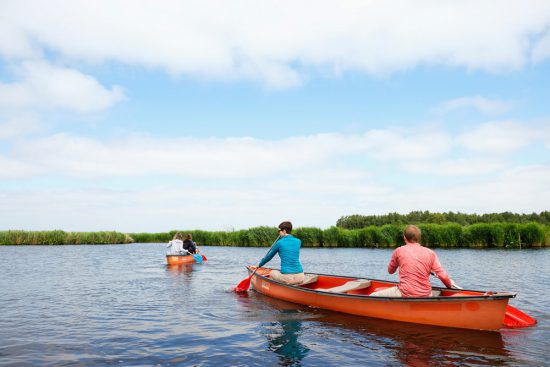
[406, 343]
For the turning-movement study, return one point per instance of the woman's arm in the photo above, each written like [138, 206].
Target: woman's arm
[269, 255]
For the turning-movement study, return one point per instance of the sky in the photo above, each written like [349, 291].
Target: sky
[148, 116]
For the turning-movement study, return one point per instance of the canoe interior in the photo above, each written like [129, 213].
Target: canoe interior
[324, 283]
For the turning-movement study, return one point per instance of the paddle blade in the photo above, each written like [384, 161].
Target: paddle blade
[243, 285]
[204, 257]
[514, 318]
[198, 258]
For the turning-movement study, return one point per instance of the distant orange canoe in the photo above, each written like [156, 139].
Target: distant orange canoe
[183, 259]
[466, 309]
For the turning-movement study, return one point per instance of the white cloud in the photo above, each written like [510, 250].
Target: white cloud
[499, 137]
[139, 156]
[524, 189]
[144, 156]
[457, 167]
[244, 182]
[43, 85]
[19, 126]
[15, 169]
[270, 41]
[406, 144]
[484, 105]
[521, 190]
[420, 150]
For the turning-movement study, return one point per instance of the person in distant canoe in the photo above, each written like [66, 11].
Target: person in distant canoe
[190, 245]
[415, 263]
[176, 245]
[288, 248]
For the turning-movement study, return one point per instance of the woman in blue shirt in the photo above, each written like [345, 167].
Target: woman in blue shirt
[288, 248]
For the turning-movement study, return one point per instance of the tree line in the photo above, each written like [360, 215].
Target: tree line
[357, 221]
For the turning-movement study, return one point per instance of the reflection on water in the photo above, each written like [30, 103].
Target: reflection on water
[425, 345]
[282, 338]
[179, 269]
[410, 344]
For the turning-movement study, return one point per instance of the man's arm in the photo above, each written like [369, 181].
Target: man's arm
[440, 272]
[393, 265]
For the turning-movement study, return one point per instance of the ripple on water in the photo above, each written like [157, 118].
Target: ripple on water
[122, 305]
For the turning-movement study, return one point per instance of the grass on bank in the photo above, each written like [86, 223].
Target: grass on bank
[452, 235]
[485, 235]
[58, 237]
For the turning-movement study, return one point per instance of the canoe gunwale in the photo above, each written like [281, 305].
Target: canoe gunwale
[483, 296]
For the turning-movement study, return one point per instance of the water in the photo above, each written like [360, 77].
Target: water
[121, 305]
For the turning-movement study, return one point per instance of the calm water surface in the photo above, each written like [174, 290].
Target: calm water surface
[121, 305]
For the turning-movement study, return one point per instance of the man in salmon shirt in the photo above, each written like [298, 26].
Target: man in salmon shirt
[415, 263]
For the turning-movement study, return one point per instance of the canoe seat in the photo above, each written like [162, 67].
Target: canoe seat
[309, 278]
[436, 293]
[346, 287]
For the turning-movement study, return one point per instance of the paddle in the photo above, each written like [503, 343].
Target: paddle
[245, 283]
[198, 258]
[204, 257]
[513, 318]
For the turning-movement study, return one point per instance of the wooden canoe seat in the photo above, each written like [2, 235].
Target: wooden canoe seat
[352, 285]
[309, 278]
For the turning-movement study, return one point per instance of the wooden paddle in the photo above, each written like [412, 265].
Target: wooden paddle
[513, 318]
[245, 283]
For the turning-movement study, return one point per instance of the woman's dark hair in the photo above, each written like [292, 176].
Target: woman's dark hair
[287, 226]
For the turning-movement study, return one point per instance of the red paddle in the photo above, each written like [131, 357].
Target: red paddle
[245, 283]
[514, 318]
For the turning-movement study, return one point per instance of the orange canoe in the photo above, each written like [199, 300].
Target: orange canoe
[180, 259]
[462, 308]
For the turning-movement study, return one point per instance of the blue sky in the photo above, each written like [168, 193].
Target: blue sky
[220, 116]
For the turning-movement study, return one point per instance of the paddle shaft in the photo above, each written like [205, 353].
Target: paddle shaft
[273, 244]
[245, 284]
[453, 284]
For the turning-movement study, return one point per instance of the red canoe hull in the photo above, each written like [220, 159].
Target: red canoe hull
[453, 308]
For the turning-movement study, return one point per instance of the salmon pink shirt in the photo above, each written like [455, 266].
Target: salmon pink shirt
[415, 262]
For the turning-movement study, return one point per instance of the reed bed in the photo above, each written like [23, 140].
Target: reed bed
[57, 237]
[480, 235]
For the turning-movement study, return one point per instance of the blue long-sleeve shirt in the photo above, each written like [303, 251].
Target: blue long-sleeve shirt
[288, 248]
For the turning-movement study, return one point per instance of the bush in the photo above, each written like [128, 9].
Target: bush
[310, 236]
[392, 235]
[370, 237]
[531, 234]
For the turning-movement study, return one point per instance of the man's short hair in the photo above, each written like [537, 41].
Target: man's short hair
[287, 226]
[412, 233]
